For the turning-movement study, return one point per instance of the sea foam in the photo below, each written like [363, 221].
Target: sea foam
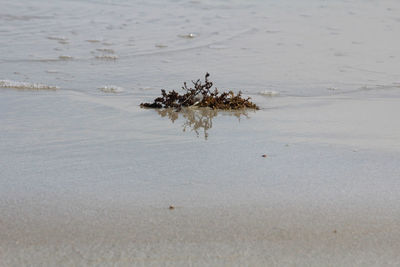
[26, 85]
[107, 57]
[112, 89]
[269, 93]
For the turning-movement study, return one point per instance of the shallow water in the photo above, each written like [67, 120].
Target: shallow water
[296, 48]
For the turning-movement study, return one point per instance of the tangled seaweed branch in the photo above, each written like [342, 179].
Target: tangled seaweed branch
[201, 95]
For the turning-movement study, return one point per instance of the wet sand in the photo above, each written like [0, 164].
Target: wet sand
[77, 194]
[274, 234]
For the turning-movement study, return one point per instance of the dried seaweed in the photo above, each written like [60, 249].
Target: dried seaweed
[201, 95]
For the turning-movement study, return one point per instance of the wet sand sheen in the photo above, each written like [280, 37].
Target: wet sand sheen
[87, 196]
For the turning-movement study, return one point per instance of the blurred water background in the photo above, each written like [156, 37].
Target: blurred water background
[302, 48]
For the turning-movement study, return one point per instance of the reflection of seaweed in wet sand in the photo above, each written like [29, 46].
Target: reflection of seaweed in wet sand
[199, 119]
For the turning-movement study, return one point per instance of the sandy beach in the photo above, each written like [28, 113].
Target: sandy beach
[88, 178]
[326, 194]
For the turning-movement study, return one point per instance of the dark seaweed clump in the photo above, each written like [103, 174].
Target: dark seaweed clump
[201, 95]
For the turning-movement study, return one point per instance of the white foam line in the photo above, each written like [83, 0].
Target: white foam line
[26, 85]
[112, 89]
[269, 93]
